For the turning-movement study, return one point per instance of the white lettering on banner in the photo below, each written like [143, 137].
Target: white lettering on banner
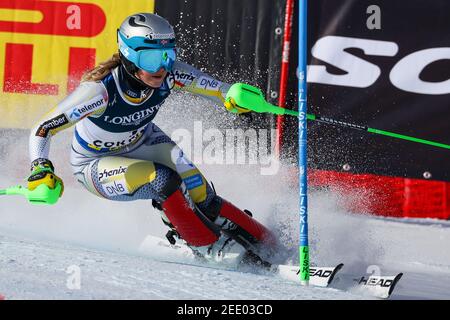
[405, 75]
[359, 73]
[208, 84]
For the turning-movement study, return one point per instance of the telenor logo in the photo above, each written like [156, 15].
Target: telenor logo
[75, 114]
[78, 112]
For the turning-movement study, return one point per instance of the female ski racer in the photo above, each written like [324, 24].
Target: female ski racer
[118, 153]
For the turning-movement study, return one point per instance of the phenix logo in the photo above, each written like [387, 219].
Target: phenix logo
[181, 79]
[183, 76]
[109, 173]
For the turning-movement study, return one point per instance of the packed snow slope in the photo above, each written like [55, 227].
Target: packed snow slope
[41, 246]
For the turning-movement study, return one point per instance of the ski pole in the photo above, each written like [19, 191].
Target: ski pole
[376, 131]
[41, 195]
[252, 98]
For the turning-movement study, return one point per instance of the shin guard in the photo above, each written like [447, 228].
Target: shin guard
[250, 230]
[191, 224]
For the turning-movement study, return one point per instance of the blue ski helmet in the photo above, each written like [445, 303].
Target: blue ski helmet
[146, 41]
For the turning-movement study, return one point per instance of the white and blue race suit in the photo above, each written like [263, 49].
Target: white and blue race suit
[117, 151]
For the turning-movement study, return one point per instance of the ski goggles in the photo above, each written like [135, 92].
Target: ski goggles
[150, 60]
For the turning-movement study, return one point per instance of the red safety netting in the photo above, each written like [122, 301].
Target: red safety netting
[386, 196]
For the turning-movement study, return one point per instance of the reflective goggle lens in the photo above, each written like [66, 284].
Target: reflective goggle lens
[154, 59]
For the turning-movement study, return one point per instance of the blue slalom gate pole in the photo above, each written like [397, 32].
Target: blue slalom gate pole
[302, 146]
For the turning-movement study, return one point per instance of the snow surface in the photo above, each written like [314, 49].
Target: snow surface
[40, 244]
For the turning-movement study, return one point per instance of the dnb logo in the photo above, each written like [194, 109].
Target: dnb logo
[48, 18]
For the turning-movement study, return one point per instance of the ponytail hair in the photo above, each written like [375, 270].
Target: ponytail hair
[102, 70]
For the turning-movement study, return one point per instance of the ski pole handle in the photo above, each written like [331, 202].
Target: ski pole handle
[41, 195]
[252, 98]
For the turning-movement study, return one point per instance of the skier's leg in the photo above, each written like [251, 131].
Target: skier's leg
[246, 230]
[242, 225]
[157, 147]
[125, 179]
[239, 225]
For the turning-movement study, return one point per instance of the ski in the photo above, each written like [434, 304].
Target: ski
[378, 286]
[161, 250]
[375, 286]
[318, 276]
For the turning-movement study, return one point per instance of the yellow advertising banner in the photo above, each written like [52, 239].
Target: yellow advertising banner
[46, 46]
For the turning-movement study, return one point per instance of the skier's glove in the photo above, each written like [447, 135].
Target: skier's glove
[42, 172]
[231, 106]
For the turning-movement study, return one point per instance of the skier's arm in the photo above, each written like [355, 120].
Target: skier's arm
[89, 98]
[190, 79]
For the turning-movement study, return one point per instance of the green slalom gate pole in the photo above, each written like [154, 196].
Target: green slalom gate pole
[302, 142]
